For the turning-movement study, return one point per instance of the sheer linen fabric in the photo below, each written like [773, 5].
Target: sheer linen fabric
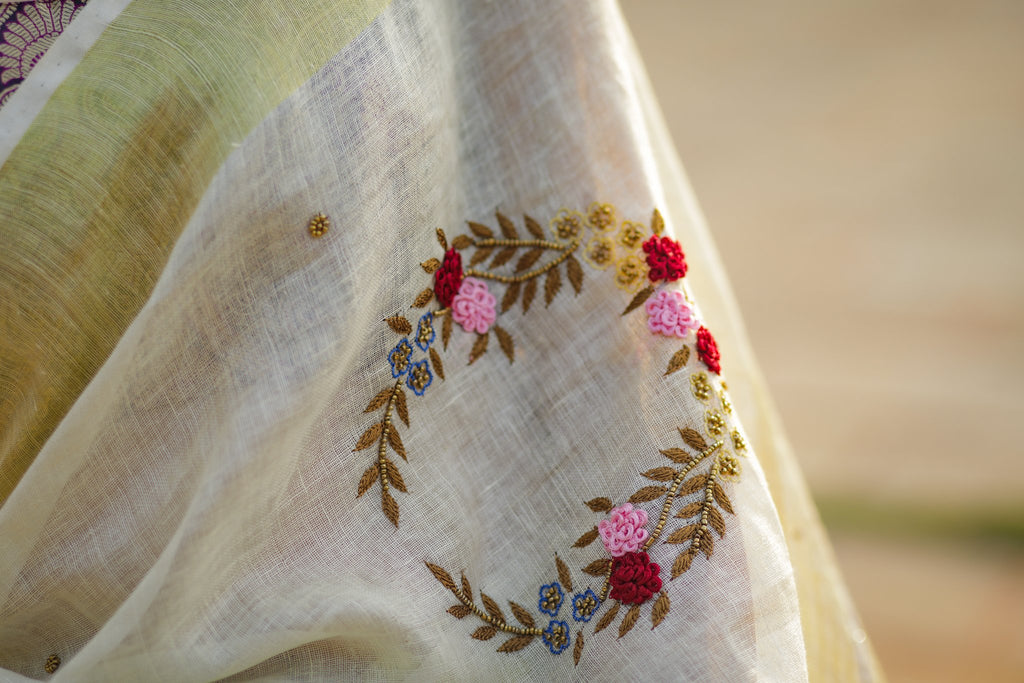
[190, 512]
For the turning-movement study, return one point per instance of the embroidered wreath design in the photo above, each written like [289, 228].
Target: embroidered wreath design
[693, 499]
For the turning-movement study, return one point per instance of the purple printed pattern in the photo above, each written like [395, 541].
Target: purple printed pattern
[27, 30]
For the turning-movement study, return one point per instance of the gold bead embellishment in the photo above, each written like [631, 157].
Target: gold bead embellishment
[737, 441]
[632, 234]
[730, 467]
[52, 664]
[600, 252]
[567, 224]
[551, 599]
[420, 377]
[630, 273]
[601, 217]
[700, 387]
[726, 403]
[318, 225]
[715, 423]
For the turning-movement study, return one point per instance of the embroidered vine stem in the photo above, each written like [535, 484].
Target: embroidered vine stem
[709, 494]
[382, 447]
[499, 624]
[566, 249]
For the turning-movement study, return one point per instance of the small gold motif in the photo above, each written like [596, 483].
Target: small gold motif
[714, 422]
[700, 387]
[737, 441]
[600, 252]
[730, 467]
[551, 599]
[52, 664]
[726, 403]
[601, 217]
[318, 225]
[630, 273]
[567, 224]
[632, 234]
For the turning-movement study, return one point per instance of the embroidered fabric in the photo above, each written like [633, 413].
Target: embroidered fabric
[195, 514]
[27, 30]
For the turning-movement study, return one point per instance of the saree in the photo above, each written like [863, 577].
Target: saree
[381, 341]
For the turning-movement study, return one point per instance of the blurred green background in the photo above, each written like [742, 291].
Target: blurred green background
[861, 165]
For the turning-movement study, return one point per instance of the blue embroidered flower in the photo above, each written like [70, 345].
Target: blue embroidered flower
[425, 333]
[550, 598]
[556, 635]
[420, 377]
[584, 605]
[399, 358]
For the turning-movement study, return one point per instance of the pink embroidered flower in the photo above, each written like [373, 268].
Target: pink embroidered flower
[634, 578]
[670, 315]
[707, 349]
[623, 532]
[473, 306]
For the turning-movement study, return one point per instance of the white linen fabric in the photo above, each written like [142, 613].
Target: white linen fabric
[194, 515]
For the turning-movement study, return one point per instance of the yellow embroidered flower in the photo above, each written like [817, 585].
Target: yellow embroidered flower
[729, 466]
[714, 422]
[630, 273]
[600, 252]
[567, 224]
[738, 441]
[699, 386]
[601, 217]
[632, 234]
[318, 225]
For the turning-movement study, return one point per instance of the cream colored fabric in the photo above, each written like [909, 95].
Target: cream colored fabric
[194, 515]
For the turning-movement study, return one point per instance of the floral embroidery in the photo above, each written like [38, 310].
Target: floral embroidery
[668, 314]
[634, 578]
[318, 225]
[707, 349]
[738, 442]
[52, 664]
[473, 306]
[27, 31]
[689, 490]
[665, 259]
[584, 605]
[600, 252]
[550, 599]
[624, 531]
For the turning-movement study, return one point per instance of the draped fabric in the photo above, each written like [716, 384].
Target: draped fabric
[233, 449]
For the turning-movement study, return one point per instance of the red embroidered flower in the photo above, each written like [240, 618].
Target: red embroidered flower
[707, 349]
[665, 259]
[448, 278]
[634, 578]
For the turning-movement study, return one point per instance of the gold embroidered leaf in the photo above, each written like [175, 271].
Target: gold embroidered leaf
[563, 573]
[552, 284]
[534, 227]
[527, 260]
[639, 299]
[707, 544]
[396, 442]
[459, 611]
[648, 493]
[441, 575]
[401, 406]
[678, 360]
[446, 330]
[442, 240]
[492, 607]
[677, 455]
[484, 633]
[660, 474]
[598, 567]
[390, 507]
[629, 620]
[693, 485]
[529, 291]
[515, 644]
[575, 273]
[660, 609]
[435, 361]
[399, 324]
[480, 230]
[480, 255]
[577, 649]
[505, 342]
[379, 400]
[461, 242]
[422, 299]
[722, 499]
[693, 439]
[683, 562]
[508, 229]
[657, 223]
[366, 481]
[521, 615]
[503, 257]
[716, 521]
[430, 265]
[608, 618]
[683, 534]
[586, 539]
[479, 347]
[368, 437]
[690, 510]
[600, 504]
[467, 589]
[511, 294]
[395, 476]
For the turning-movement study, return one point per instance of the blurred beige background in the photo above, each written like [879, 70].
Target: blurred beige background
[861, 165]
